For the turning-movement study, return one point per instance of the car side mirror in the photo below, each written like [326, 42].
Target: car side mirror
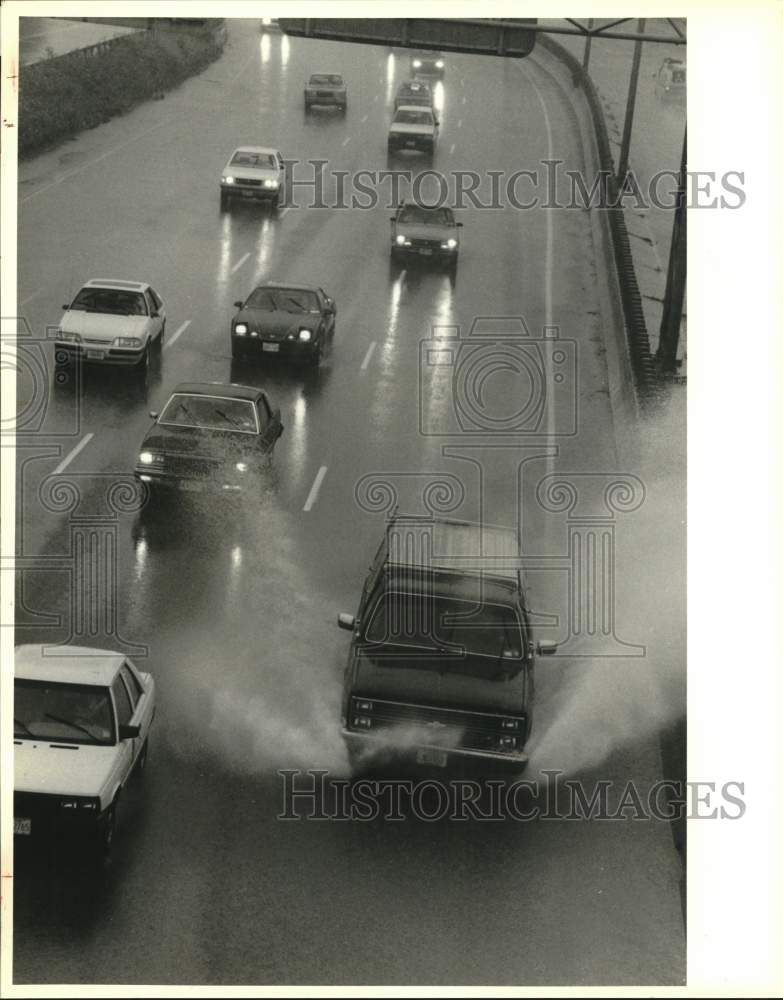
[346, 621]
[154, 414]
[546, 647]
[66, 307]
[129, 732]
[239, 304]
[154, 314]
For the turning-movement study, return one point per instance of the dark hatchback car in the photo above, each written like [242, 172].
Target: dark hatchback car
[209, 436]
[293, 321]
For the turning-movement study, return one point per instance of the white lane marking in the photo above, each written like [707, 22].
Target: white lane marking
[363, 120]
[367, 356]
[312, 496]
[452, 147]
[177, 333]
[459, 123]
[375, 99]
[548, 257]
[462, 81]
[283, 211]
[72, 454]
[30, 297]
[464, 100]
[346, 140]
[240, 262]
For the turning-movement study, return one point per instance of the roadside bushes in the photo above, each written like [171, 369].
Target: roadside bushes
[62, 96]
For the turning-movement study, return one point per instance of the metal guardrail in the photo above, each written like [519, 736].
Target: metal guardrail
[645, 372]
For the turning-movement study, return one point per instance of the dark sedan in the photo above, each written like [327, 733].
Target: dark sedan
[295, 321]
[209, 436]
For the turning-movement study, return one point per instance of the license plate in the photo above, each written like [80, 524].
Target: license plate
[411, 143]
[425, 252]
[270, 347]
[96, 355]
[438, 758]
[23, 826]
[190, 486]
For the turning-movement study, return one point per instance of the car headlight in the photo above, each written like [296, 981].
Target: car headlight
[241, 329]
[241, 466]
[400, 240]
[146, 457]
[362, 722]
[71, 337]
[506, 743]
[417, 63]
[128, 342]
[305, 334]
[449, 244]
[227, 180]
[271, 183]
[439, 64]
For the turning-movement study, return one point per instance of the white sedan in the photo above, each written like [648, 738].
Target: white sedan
[253, 172]
[111, 322]
[82, 719]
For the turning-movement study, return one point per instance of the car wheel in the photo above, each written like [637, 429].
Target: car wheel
[104, 836]
[144, 362]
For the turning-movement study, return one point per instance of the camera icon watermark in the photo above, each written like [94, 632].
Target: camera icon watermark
[498, 379]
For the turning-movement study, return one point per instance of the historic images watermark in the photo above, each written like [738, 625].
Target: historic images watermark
[547, 184]
[315, 795]
[519, 429]
[48, 426]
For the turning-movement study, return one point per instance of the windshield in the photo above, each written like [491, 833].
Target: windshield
[458, 629]
[426, 216]
[110, 300]
[409, 117]
[210, 412]
[327, 79]
[294, 300]
[247, 159]
[63, 713]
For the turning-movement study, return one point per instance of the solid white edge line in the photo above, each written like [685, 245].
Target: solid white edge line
[367, 356]
[240, 262]
[452, 148]
[72, 454]
[177, 333]
[346, 140]
[312, 496]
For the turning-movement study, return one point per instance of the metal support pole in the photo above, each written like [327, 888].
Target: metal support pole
[622, 169]
[674, 295]
[588, 44]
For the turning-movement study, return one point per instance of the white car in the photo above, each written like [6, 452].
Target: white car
[413, 128]
[81, 725]
[253, 172]
[111, 322]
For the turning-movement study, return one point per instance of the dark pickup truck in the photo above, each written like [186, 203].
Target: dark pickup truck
[442, 657]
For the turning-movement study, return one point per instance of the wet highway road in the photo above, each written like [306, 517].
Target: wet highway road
[41, 36]
[234, 606]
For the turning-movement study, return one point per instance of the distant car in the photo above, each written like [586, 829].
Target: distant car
[111, 322]
[269, 24]
[413, 93]
[428, 64]
[670, 79]
[209, 436]
[327, 89]
[412, 129]
[82, 720]
[293, 321]
[253, 172]
[426, 233]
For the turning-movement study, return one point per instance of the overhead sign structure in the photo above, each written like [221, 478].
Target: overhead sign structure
[482, 36]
